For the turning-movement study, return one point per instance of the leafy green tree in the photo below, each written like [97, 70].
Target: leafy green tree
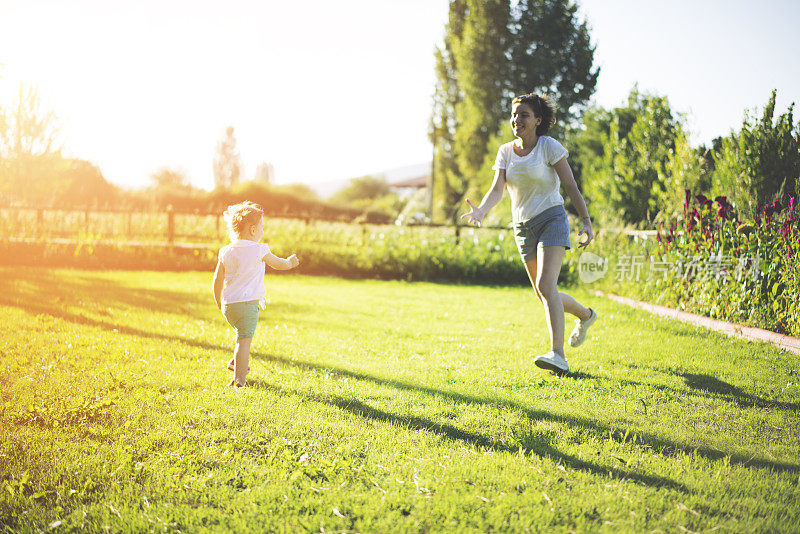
[449, 184]
[685, 168]
[166, 177]
[762, 161]
[28, 152]
[227, 161]
[627, 181]
[587, 146]
[362, 188]
[265, 173]
[501, 214]
[551, 52]
[586, 143]
[299, 190]
[481, 51]
[82, 185]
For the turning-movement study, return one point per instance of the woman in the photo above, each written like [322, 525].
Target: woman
[531, 167]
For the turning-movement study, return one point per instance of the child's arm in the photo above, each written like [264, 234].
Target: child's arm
[219, 280]
[281, 264]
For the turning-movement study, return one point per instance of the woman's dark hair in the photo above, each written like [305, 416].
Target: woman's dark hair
[542, 107]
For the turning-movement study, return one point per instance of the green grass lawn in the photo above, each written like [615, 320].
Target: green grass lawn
[379, 407]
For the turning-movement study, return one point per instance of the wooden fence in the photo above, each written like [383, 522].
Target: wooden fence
[167, 228]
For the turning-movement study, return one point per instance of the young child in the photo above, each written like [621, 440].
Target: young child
[239, 280]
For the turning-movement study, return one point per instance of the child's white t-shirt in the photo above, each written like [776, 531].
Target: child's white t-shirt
[531, 180]
[244, 271]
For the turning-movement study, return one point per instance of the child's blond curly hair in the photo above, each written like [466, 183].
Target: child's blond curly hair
[240, 217]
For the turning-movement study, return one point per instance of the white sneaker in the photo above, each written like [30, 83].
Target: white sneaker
[552, 361]
[578, 334]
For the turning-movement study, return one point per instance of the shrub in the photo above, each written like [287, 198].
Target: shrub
[710, 262]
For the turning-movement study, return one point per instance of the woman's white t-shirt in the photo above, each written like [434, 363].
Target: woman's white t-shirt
[531, 180]
[244, 271]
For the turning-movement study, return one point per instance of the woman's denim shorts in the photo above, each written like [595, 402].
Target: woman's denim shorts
[547, 229]
[242, 316]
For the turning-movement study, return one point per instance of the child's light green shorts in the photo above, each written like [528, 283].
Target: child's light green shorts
[242, 316]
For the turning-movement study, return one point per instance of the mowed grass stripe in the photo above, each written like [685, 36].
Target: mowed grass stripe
[379, 406]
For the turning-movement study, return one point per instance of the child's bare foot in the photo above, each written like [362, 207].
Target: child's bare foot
[230, 366]
[233, 383]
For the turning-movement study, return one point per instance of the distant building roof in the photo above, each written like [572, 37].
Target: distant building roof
[418, 182]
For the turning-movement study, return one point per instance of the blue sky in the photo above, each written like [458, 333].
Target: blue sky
[712, 59]
[330, 90]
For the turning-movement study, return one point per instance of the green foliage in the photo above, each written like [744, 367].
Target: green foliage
[392, 252]
[711, 263]
[166, 177]
[449, 182]
[586, 143]
[32, 169]
[296, 200]
[227, 161]
[685, 168]
[362, 188]
[137, 241]
[28, 153]
[626, 180]
[480, 54]
[378, 407]
[551, 53]
[762, 161]
[372, 195]
[750, 273]
[500, 214]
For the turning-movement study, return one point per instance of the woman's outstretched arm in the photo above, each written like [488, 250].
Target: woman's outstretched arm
[490, 200]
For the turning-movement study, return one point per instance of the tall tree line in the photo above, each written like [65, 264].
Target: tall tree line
[493, 50]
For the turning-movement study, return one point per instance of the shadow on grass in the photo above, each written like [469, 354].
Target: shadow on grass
[602, 431]
[705, 386]
[361, 409]
[715, 386]
[131, 296]
[40, 290]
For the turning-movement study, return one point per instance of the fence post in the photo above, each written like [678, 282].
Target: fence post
[458, 234]
[39, 220]
[170, 225]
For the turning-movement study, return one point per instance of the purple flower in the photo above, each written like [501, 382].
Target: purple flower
[687, 198]
[726, 210]
[768, 210]
[786, 228]
[791, 207]
[694, 217]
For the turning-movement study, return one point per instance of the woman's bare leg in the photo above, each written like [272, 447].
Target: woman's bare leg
[571, 305]
[548, 266]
